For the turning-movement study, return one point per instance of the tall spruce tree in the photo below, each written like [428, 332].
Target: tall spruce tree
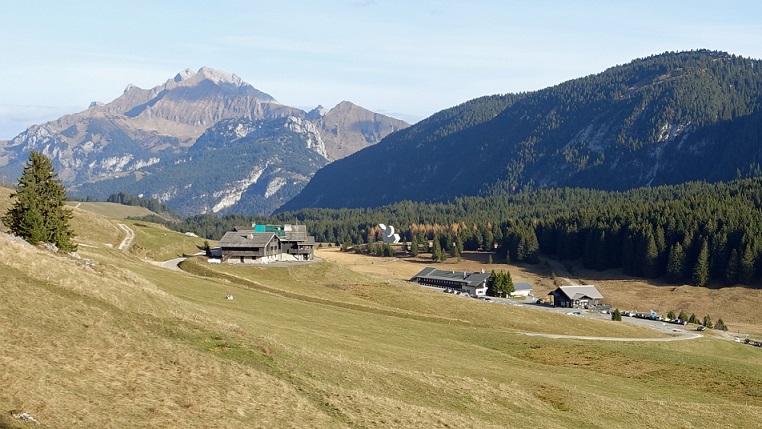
[38, 213]
[675, 263]
[701, 269]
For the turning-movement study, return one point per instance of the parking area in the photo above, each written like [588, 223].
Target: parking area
[530, 302]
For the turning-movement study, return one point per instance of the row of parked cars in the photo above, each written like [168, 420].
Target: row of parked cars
[652, 316]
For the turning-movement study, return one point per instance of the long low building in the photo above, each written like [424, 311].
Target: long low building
[521, 289]
[267, 243]
[474, 284]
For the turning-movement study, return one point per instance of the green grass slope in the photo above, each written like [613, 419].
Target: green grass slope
[112, 210]
[125, 343]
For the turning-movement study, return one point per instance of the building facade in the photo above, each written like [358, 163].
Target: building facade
[586, 296]
[262, 244]
[474, 284]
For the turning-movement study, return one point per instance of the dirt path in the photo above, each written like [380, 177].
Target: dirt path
[130, 235]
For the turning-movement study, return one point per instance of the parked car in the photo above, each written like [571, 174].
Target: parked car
[701, 328]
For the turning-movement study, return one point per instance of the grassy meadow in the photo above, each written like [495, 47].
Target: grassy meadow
[125, 343]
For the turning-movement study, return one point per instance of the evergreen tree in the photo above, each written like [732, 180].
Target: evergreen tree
[675, 263]
[731, 272]
[38, 214]
[693, 318]
[721, 325]
[650, 257]
[682, 316]
[616, 315]
[708, 322]
[701, 269]
[747, 266]
[671, 315]
[414, 246]
[500, 284]
[437, 254]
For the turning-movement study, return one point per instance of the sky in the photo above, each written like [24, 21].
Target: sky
[407, 59]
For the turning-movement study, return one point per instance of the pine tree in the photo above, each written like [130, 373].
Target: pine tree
[650, 257]
[747, 265]
[414, 246]
[721, 325]
[437, 254]
[508, 287]
[675, 263]
[708, 322]
[38, 214]
[616, 315]
[731, 272]
[701, 269]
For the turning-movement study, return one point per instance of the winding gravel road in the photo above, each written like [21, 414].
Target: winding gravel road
[130, 235]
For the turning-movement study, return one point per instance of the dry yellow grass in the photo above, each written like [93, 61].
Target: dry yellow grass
[737, 306]
[111, 210]
[127, 344]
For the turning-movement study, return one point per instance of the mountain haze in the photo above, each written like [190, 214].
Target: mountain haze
[669, 118]
[114, 147]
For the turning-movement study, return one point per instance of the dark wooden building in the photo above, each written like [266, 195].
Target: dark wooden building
[267, 243]
[585, 296]
[471, 283]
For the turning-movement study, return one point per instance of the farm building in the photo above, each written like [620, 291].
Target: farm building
[474, 284]
[521, 289]
[585, 296]
[267, 243]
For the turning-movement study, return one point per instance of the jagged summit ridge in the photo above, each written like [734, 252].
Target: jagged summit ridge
[189, 78]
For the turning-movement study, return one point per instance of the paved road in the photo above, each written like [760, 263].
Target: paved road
[676, 332]
[130, 235]
[682, 335]
[172, 264]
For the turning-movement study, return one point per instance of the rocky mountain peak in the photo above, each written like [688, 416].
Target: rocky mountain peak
[219, 76]
[183, 75]
[316, 113]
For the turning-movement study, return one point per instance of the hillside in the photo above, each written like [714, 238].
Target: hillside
[665, 119]
[122, 342]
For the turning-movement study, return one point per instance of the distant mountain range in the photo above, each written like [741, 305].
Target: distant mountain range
[147, 140]
[664, 119]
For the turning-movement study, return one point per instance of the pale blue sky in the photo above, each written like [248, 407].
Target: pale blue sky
[408, 59]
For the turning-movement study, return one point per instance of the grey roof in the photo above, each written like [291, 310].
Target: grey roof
[246, 239]
[469, 279]
[522, 286]
[577, 292]
[296, 232]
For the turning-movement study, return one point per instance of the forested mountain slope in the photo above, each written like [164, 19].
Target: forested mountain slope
[664, 119]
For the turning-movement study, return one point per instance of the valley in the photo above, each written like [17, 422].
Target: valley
[344, 343]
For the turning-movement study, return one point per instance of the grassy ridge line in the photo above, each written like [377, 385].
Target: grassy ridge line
[194, 267]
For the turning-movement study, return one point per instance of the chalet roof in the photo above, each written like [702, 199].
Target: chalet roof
[245, 239]
[578, 292]
[468, 279]
[522, 286]
[296, 233]
[285, 232]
